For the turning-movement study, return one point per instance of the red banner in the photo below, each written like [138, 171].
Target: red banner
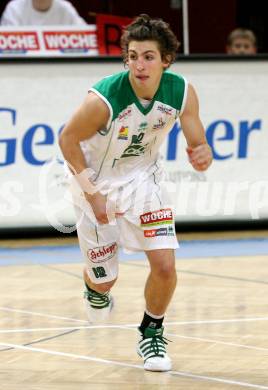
[18, 41]
[48, 41]
[70, 40]
[109, 30]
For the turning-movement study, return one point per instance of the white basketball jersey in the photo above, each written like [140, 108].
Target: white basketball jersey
[129, 145]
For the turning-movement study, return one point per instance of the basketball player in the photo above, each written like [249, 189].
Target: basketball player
[111, 145]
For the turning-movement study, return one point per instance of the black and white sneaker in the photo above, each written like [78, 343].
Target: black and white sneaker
[98, 306]
[152, 348]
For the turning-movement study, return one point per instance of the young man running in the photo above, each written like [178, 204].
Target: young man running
[111, 145]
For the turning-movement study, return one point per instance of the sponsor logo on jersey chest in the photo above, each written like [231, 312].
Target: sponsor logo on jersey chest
[164, 109]
[124, 114]
[142, 126]
[159, 125]
[123, 133]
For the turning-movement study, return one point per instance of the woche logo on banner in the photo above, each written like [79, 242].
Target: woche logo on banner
[19, 41]
[52, 41]
[70, 40]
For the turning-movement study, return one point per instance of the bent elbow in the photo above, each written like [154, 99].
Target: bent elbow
[63, 140]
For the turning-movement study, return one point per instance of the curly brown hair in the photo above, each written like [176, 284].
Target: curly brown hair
[145, 28]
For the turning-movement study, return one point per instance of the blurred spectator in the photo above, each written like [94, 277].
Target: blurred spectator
[40, 13]
[241, 42]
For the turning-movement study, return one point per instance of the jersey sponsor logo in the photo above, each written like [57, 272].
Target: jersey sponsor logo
[136, 148]
[159, 217]
[142, 126]
[124, 114]
[164, 109]
[102, 253]
[167, 231]
[14, 42]
[159, 125]
[123, 133]
[70, 40]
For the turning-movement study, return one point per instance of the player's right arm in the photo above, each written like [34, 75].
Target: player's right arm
[91, 116]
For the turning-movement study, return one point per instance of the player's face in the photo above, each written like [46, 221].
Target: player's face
[42, 5]
[242, 46]
[145, 64]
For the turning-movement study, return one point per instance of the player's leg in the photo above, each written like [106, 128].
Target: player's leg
[149, 226]
[98, 245]
[101, 288]
[159, 289]
[98, 300]
[161, 281]
[158, 240]
[100, 272]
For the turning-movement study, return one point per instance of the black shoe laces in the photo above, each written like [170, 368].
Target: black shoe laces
[155, 343]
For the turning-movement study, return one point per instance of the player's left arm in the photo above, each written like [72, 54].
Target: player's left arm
[198, 150]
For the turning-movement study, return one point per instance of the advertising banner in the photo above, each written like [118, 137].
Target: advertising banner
[233, 99]
[48, 41]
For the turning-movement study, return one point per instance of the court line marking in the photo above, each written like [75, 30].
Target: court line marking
[197, 322]
[41, 314]
[43, 339]
[131, 327]
[130, 263]
[51, 267]
[207, 322]
[218, 342]
[140, 367]
[178, 270]
[29, 330]
[222, 276]
[206, 274]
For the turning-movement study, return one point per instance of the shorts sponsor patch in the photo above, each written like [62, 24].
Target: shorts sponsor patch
[102, 253]
[158, 217]
[167, 231]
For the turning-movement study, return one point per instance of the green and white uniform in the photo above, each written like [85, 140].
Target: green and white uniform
[125, 161]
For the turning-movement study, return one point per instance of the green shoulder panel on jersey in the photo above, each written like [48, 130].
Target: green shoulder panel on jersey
[115, 89]
[172, 90]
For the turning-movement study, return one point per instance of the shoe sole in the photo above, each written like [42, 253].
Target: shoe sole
[147, 366]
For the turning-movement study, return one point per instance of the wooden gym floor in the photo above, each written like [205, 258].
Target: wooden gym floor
[217, 320]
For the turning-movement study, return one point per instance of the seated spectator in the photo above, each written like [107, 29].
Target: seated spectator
[40, 13]
[241, 42]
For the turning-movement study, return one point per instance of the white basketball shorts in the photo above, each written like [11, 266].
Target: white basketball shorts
[147, 224]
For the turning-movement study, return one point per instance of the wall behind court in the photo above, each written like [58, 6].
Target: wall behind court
[233, 106]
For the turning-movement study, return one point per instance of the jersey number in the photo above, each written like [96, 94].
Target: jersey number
[99, 272]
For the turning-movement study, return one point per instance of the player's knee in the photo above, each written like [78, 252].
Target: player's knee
[165, 270]
[96, 283]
